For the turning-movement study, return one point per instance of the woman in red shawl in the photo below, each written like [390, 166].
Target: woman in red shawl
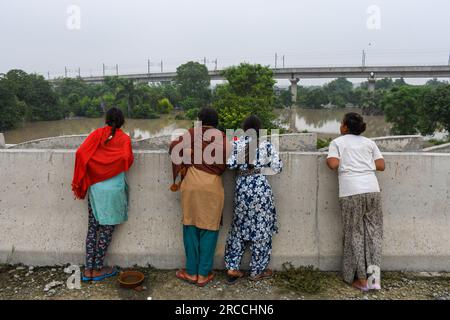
[100, 166]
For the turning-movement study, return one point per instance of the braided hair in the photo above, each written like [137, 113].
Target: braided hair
[251, 122]
[114, 119]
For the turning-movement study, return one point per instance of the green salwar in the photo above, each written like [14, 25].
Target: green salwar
[200, 246]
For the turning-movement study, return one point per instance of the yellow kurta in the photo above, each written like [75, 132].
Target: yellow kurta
[202, 199]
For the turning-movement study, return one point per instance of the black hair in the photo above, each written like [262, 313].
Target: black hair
[355, 123]
[208, 117]
[251, 122]
[115, 119]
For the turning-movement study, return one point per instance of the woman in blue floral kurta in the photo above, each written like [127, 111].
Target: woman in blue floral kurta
[255, 218]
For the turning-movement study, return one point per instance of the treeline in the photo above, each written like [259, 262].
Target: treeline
[29, 97]
[250, 89]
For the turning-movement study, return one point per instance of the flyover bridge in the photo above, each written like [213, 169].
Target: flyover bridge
[295, 74]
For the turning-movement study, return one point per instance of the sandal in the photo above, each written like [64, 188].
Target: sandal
[208, 280]
[234, 279]
[112, 273]
[268, 273]
[182, 275]
[86, 278]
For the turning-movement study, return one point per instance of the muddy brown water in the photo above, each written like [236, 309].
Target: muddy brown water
[325, 122]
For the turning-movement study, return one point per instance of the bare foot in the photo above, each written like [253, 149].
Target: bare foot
[361, 284]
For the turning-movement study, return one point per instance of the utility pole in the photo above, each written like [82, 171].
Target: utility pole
[148, 67]
[449, 58]
[79, 72]
[117, 69]
[162, 66]
[363, 58]
[204, 61]
[283, 61]
[276, 58]
[65, 72]
[48, 75]
[103, 70]
[215, 64]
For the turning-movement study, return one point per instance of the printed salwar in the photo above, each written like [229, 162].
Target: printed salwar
[362, 219]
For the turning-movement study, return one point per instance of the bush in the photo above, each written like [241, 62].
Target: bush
[302, 279]
[164, 106]
[191, 114]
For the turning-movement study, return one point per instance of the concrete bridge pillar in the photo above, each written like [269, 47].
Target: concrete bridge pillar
[2, 141]
[293, 89]
[371, 82]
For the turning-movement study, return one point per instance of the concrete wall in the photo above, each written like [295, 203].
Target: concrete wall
[41, 223]
[399, 143]
[61, 142]
[287, 142]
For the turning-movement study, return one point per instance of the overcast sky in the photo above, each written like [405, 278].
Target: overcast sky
[35, 35]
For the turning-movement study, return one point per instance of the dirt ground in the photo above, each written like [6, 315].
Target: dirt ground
[22, 282]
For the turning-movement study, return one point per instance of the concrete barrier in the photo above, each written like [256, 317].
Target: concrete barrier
[443, 148]
[41, 223]
[2, 141]
[61, 142]
[399, 143]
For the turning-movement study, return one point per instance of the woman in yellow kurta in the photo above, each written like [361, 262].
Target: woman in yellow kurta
[203, 151]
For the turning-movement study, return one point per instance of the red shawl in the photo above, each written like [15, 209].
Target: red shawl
[214, 168]
[96, 161]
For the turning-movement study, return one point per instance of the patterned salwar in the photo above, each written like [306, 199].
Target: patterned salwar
[97, 241]
[255, 218]
[363, 234]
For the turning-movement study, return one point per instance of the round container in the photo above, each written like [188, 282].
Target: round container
[130, 279]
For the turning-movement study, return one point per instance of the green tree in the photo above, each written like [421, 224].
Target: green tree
[401, 108]
[434, 109]
[193, 82]
[249, 91]
[316, 98]
[126, 91]
[11, 111]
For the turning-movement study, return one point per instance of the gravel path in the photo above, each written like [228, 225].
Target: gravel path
[22, 282]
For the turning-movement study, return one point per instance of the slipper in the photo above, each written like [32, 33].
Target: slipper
[107, 275]
[208, 280]
[264, 275]
[85, 279]
[182, 275]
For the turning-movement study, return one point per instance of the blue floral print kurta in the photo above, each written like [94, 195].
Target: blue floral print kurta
[255, 216]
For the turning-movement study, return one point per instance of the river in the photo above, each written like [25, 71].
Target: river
[325, 122]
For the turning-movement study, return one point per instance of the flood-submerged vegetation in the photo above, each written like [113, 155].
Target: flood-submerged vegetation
[250, 89]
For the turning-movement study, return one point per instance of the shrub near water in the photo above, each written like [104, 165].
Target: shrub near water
[304, 279]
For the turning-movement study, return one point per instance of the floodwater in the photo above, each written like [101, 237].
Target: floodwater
[325, 122]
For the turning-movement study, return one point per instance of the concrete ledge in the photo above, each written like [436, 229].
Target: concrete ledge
[61, 142]
[42, 224]
[443, 148]
[399, 143]
[2, 141]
